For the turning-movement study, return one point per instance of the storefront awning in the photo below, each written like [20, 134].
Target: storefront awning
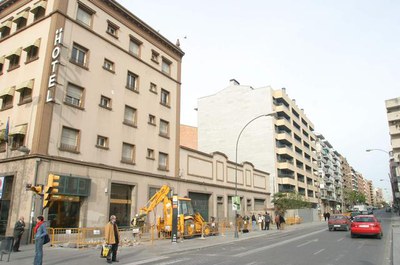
[9, 91]
[20, 129]
[17, 52]
[6, 24]
[27, 84]
[35, 44]
[22, 15]
[40, 4]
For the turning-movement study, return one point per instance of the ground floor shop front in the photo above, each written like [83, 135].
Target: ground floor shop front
[88, 194]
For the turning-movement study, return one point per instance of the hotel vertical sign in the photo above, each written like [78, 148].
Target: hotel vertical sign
[55, 55]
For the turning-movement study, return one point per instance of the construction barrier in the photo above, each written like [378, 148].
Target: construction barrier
[93, 236]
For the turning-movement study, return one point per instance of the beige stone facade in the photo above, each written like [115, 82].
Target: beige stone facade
[91, 93]
[94, 94]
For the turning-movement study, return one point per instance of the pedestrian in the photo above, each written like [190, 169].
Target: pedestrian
[112, 237]
[260, 221]
[267, 220]
[282, 222]
[254, 222]
[278, 221]
[40, 232]
[19, 229]
[325, 215]
[328, 215]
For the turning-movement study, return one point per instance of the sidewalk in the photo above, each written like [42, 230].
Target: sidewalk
[148, 250]
[144, 250]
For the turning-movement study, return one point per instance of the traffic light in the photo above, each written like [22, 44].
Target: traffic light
[50, 189]
[37, 189]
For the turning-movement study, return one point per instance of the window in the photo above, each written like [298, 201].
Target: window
[162, 161]
[25, 91]
[32, 51]
[130, 116]
[134, 46]
[153, 88]
[14, 59]
[21, 19]
[152, 119]
[5, 29]
[39, 10]
[84, 15]
[105, 102]
[128, 153]
[69, 139]
[150, 153]
[108, 65]
[112, 29]
[154, 56]
[17, 141]
[2, 59]
[79, 55]
[74, 95]
[164, 97]
[102, 142]
[164, 128]
[166, 66]
[7, 96]
[131, 82]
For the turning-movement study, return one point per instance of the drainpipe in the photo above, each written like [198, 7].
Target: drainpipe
[32, 214]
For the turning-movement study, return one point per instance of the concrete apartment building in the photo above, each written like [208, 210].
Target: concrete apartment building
[283, 145]
[393, 115]
[330, 176]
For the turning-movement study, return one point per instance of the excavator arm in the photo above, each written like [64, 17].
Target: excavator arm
[158, 197]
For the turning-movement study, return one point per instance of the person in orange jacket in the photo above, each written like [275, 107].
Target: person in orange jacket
[112, 237]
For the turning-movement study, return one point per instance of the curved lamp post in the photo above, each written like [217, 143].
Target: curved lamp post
[236, 234]
[390, 154]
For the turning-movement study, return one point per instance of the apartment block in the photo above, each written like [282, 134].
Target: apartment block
[236, 121]
[393, 115]
[330, 174]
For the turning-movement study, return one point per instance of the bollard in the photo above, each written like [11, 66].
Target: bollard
[202, 231]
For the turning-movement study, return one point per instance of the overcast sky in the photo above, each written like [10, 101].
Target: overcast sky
[338, 59]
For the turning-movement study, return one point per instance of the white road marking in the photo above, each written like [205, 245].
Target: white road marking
[250, 252]
[340, 239]
[319, 251]
[308, 242]
[173, 261]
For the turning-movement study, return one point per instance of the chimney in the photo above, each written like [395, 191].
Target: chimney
[233, 82]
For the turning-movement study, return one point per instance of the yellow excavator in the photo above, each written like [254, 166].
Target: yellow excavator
[190, 223]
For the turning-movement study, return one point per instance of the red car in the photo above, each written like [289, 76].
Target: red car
[339, 221]
[366, 225]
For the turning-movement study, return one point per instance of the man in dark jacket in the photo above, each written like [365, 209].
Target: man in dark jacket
[19, 229]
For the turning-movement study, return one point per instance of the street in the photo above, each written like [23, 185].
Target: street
[308, 243]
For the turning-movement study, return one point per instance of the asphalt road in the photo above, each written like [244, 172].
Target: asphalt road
[309, 246]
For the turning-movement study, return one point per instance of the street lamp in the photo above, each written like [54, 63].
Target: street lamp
[390, 154]
[236, 234]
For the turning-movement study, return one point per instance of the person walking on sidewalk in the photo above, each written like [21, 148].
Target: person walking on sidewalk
[267, 220]
[40, 232]
[254, 222]
[278, 221]
[112, 237]
[281, 222]
[19, 229]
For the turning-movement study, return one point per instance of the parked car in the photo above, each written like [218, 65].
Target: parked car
[366, 225]
[388, 209]
[339, 221]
